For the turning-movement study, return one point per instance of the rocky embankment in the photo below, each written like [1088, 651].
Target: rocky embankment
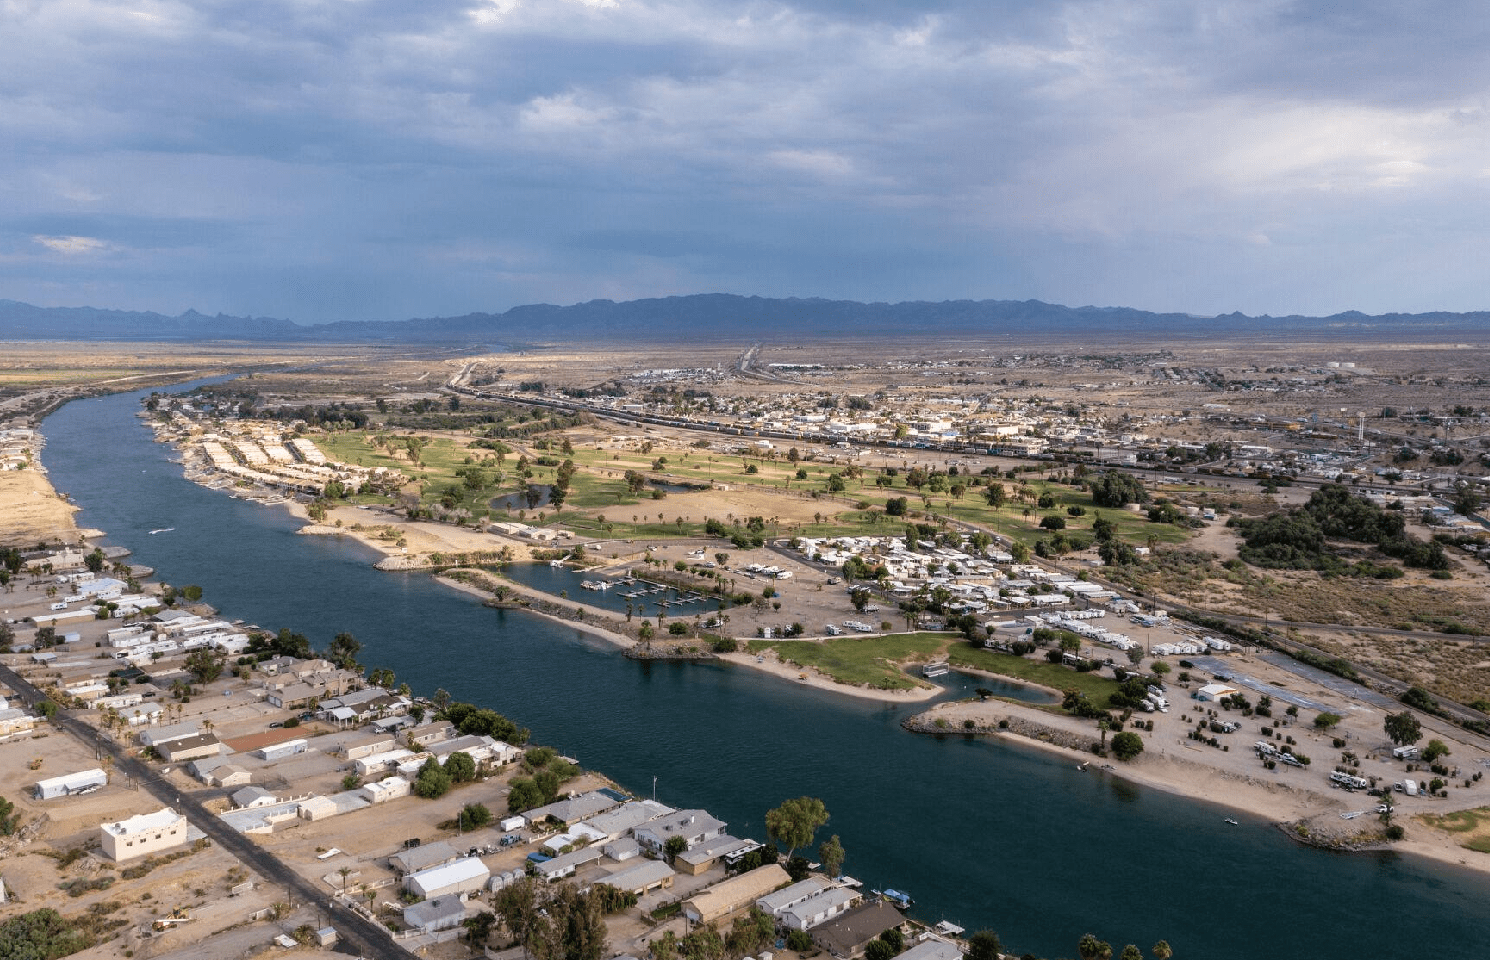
[1014, 725]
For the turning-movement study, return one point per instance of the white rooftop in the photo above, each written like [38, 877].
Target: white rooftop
[143, 822]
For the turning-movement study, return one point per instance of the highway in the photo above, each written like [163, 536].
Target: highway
[357, 932]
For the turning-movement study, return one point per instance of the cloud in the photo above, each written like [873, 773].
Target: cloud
[72, 246]
[328, 159]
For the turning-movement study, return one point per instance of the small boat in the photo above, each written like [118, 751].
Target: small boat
[901, 901]
[1083, 765]
[556, 563]
[1231, 821]
[161, 530]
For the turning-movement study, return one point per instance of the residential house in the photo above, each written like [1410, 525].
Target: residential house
[723, 899]
[143, 834]
[423, 857]
[848, 935]
[432, 916]
[189, 748]
[694, 826]
[932, 948]
[640, 878]
[705, 854]
[466, 875]
[819, 908]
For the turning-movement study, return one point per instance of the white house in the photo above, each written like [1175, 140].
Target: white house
[143, 834]
[71, 784]
[466, 875]
[1212, 692]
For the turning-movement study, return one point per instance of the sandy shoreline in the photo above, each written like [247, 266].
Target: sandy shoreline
[1169, 763]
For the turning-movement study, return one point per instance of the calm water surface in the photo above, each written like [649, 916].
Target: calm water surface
[980, 833]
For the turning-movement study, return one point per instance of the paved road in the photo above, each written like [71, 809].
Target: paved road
[357, 932]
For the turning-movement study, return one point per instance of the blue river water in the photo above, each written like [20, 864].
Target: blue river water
[981, 833]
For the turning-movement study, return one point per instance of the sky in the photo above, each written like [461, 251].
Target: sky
[326, 160]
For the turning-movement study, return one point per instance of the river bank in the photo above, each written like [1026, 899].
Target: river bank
[1179, 766]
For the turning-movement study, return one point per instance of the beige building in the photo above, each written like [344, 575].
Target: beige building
[144, 834]
[723, 899]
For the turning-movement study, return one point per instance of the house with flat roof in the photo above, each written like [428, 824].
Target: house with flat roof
[72, 784]
[143, 834]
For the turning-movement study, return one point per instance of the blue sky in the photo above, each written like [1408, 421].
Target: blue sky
[382, 159]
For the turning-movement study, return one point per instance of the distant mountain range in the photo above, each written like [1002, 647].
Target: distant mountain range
[719, 316]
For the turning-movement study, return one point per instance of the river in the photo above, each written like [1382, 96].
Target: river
[980, 833]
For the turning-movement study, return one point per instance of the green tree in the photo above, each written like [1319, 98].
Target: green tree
[1162, 950]
[1434, 750]
[984, 945]
[205, 665]
[665, 947]
[1127, 745]
[95, 560]
[878, 950]
[1326, 720]
[703, 943]
[1131, 952]
[1403, 728]
[9, 819]
[751, 933]
[580, 918]
[673, 847]
[831, 855]
[433, 782]
[795, 821]
[524, 795]
[517, 904]
[343, 651]
[459, 767]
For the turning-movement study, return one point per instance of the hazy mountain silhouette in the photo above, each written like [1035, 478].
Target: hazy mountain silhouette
[719, 316]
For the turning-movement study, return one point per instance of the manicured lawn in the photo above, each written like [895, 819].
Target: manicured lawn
[1097, 688]
[861, 661]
